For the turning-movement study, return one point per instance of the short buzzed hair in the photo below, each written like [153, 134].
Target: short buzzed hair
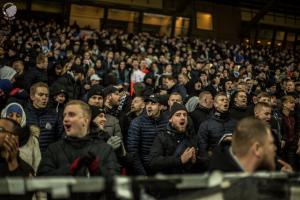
[84, 106]
[248, 131]
[219, 95]
[203, 94]
[175, 94]
[37, 85]
[261, 105]
[263, 95]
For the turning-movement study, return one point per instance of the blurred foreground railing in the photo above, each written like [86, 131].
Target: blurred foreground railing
[217, 186]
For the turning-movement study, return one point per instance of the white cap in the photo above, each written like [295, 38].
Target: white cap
[95, 77]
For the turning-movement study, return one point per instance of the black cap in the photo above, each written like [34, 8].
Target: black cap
[96, 111]
[153, 98]
[109, 90]
[95, 90]
[176, 107]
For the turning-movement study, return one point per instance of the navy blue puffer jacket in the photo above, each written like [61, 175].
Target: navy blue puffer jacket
[141, 134]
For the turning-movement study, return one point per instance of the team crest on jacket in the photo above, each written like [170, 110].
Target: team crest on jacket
[48, 126]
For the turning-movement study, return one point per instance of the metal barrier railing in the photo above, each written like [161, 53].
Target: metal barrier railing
[216, 185]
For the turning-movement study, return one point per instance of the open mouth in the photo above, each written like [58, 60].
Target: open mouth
[67, 127]
[182, 123]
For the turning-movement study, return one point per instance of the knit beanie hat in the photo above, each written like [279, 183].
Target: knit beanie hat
[95, 90]
[96, 111]
[176, 107]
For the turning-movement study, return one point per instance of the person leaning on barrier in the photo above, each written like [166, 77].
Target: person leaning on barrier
[252, 149]
[78, 154]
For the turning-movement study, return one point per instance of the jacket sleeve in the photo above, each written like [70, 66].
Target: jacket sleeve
[59, 128]
[36, 153]
[159, 162]
[48, 166]
[133, 146]
[110, 165]
[117, 129]
[203, 140]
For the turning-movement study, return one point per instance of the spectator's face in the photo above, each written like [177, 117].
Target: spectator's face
[241, 87]
[273, 89]
[289, 105]
[86, 56]
[122, 65]
[15, 116]
[168, 83]
[96, 100]
[203, 77]
[209, 101]
[221, 103]
[228, 86]
[115, 99]
[264, 114]
[58, 71]
[110, 55]
[76, 121]
[135, 64]
[100, 120]
[290, 86]
[249, 84]
[152, 109]
[77, 61]
[137, 104]
[40, 97]
[274, 101]
[98, 64]
[269, 153]
[43, 64]
[182, 79]
[95, 82]
[179, 121]
[241, 99]
[173, 99]
[60, 98]
[19, 67]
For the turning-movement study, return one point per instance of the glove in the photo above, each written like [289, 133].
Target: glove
[80, 162]
[115, 142]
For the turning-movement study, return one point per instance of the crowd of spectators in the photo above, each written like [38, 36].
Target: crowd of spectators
[161, 104]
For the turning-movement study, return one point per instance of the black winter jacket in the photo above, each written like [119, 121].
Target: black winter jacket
[60, 155]
[167, 149]
[73, 89]
[240, 113]
[199, 115]
[211, 131]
